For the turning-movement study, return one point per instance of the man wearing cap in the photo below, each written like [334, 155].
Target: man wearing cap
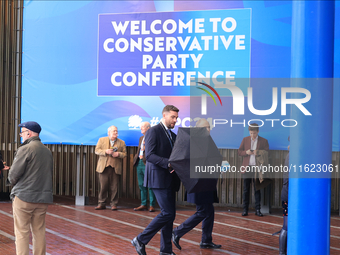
[31, 177]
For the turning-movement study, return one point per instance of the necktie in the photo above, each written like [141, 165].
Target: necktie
[170, 137]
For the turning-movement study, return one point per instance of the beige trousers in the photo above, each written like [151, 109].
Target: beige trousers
[108, 181]
[29, 216]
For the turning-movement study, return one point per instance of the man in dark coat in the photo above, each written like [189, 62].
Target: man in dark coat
[139, 162]
[159, 141]
[205, 212]
[31, 177]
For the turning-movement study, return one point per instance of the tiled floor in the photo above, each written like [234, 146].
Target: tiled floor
[82, 230]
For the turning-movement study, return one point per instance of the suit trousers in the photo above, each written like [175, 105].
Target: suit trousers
[108, 180]
[144, 190]
[166, 199]
[29, 216]
[204, 213]
[246, 192]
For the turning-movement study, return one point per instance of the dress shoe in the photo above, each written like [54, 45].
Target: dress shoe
[175, 240]
[210, 245]
[114, 208]
[245, 213]
[151, 209]
[166, 253]
[283, 242]
[100, 207]
[140, 248]
[140, 208]
[258, 213]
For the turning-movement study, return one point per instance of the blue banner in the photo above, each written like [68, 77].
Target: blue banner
[88, 65]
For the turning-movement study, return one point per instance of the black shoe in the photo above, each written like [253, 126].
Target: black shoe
[165, 253]
[283, 242]
[140, 248]
[175, 240]
[258, 213]
[245, 213]
[210, 246]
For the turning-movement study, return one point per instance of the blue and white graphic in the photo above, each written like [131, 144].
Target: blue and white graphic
[158, 54]
[68, 69]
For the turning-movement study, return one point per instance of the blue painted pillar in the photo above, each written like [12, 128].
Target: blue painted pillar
[311, 140]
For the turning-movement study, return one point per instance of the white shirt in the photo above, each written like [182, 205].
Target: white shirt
[112, 143]
[141, 147]
[164, 125]
[168, 131]
[253, 145]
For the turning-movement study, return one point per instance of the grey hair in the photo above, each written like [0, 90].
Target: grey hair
[111, 129]
[202, 123]
[146, 123]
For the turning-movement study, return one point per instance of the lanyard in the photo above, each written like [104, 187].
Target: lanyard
[168, 135]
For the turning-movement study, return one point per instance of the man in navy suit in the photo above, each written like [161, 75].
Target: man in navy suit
[159, 141]
[205, 212]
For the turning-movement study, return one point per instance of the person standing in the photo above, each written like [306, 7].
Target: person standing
[3, 166]
[284, 199]
[205, 212]
[31, 176]
[159, 141]
[248, 148]
[111, 151]
[139, 162]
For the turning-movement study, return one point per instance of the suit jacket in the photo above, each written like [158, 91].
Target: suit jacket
[136, 157]
[204, 197]
[157, 152]
[104, 144]
[262, 144]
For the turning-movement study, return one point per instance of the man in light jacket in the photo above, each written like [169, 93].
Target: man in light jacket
[31, 176]
[111, 151]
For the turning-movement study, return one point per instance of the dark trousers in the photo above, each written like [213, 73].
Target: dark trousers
[246, 192]
[204, 213]
[108, 180]
[166, 199]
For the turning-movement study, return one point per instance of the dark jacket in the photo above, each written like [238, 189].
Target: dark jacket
[262, 144]
[157, 152]
[31, 172]
[136, 157]
[204, 197]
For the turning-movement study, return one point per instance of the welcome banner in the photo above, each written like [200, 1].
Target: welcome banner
[158, 54]
[88, 65]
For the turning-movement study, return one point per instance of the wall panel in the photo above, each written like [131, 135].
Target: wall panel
[67, 158]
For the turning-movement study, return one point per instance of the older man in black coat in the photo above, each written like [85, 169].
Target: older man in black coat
[205, 212]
